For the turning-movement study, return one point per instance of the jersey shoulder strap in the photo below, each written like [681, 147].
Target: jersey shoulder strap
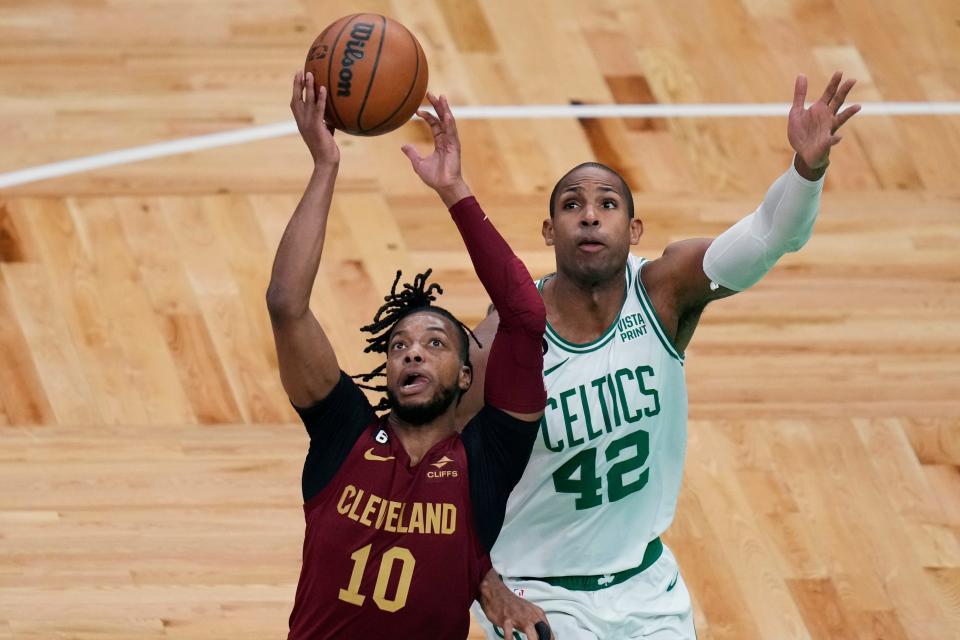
[646, 303]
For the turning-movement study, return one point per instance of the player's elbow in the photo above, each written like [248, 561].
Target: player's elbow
[538, 317]
[281, 304]
[531, 315]
[526, 308]
[798, 241]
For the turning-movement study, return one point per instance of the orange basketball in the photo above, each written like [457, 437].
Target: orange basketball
[374, 71]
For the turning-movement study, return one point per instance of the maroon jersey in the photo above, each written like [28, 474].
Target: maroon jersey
[392, 550]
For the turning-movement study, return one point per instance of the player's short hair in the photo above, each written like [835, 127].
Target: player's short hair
[415, 297]
[627, 194]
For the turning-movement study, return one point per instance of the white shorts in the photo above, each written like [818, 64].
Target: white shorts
[653, 604]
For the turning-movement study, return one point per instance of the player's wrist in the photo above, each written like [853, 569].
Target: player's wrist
[453, 193]
[806, 171]
[490, 584]
[325, 162]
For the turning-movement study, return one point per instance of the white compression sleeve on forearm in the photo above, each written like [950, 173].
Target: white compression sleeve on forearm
[745, 252]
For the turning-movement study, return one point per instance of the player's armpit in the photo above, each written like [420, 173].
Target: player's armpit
[679, 274]
[472, 400]
[307, 362]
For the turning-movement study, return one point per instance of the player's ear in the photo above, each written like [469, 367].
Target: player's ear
[465, 378]
[547, 231]
[636, 230]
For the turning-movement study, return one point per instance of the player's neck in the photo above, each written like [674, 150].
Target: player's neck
[418, 439]
[581, 312]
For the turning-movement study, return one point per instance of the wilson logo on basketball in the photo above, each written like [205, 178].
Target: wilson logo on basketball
[359, 35]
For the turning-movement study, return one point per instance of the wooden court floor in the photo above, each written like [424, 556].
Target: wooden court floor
[149, 460]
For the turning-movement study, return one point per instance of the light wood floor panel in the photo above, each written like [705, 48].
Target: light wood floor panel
[149, 460]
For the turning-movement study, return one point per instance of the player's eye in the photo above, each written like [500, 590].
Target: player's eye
[397, 346]
[436, 342]
[570, 204]
[609, 204]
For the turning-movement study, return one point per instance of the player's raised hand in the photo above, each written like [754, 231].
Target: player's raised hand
[441, 169]
[813, 131]
[308, 104]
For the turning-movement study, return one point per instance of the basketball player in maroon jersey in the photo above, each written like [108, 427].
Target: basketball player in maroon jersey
[401, 510]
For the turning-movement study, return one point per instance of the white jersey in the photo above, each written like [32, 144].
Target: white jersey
[604, 475]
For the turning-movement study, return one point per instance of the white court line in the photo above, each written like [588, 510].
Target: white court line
[276, 130]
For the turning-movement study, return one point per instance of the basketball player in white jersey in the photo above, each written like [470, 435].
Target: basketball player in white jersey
[581, 536]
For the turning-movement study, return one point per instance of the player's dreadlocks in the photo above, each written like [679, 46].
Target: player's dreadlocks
[398, 305]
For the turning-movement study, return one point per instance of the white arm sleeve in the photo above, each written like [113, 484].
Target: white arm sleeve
[745, 252]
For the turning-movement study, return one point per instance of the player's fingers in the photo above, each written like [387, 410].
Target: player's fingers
[799, 91]
[311, 97]
[543, 631]
[846, 114]
[429, 118]
[842, 94]
[448, 118]
[831, 89]
[325, 117]
[410, 151]
[508, 630]
[321, 99]
[436, 128]
[297, 88]
[439, 133]
[434, 102]
[444, 113]
[835, 140]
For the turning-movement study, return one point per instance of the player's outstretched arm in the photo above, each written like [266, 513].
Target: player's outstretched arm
[513, 377]
[700, 270]
[308, 365]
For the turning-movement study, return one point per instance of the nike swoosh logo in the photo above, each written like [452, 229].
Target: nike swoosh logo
[554, 368]
[673, 583]
[370, 455]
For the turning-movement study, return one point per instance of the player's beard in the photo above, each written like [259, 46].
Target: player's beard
[420, 414]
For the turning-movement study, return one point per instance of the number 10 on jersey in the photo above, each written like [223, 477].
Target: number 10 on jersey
[393, 556]
[589, 487]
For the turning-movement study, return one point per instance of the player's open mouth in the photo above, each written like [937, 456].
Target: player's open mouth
[412, 383]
